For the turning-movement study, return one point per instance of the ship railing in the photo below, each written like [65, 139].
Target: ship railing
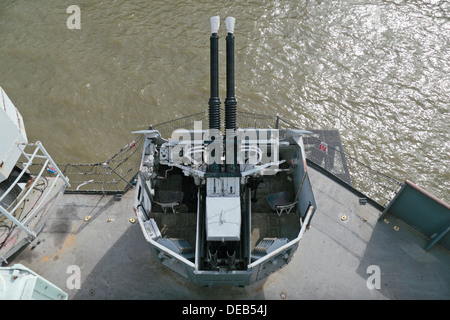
[48, 165]
[20, 208]
[114, 176]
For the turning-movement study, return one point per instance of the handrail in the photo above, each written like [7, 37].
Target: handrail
[30, 188]
[8, 212]
[20, 175]
[47, 155]
[42, 201]
[16, 222]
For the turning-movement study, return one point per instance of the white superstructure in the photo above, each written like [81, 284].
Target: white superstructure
[13, 137]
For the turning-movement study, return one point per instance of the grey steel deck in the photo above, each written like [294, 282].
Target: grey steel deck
[331, 263]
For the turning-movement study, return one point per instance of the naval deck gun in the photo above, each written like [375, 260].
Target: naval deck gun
[195, 192]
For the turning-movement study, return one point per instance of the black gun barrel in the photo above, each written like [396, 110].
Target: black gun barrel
[230, 100]
[214, 101]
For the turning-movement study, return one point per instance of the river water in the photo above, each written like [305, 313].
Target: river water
[379, 71]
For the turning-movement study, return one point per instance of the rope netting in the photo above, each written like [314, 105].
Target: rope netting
[113, 176]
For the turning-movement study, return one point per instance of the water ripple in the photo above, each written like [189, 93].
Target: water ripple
[379, 71]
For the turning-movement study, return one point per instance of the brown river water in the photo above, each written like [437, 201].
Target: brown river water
[379, 71]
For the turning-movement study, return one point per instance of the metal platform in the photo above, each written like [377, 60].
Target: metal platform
[337, 259]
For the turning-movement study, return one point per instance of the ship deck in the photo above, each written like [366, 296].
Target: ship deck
[334, 260]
